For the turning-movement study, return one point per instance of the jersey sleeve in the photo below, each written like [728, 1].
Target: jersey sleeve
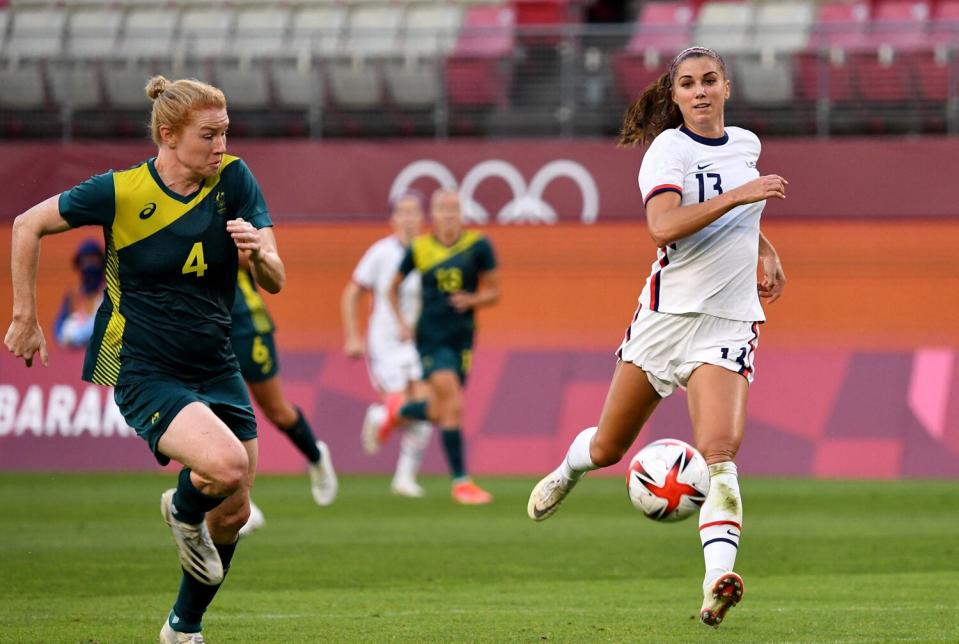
[663, 168]
[365, 272]
[91, 203]
[246, 197]
[407, 265]
[485, 256]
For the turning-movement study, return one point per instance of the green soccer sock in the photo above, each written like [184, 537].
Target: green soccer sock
[190, 505]
[414, 410]
[301, 435]
[453, 447]
[195, 597]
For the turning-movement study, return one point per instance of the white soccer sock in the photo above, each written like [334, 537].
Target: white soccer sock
[416, 438]
[578, 460]
[721, 519]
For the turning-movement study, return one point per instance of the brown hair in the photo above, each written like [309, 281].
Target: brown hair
[174, 101]
[655, 111]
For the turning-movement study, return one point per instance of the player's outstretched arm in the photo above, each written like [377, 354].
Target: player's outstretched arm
[668, 220]
[774, 279]
[24, 338]
[265, 260]
[349, 305]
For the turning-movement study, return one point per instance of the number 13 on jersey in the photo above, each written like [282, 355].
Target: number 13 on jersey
[194, 262]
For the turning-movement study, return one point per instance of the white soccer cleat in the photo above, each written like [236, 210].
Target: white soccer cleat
[323, 481]
[547, 495]
[719, 595]
[194, 547]
[255, 522]
[407, 488]
[170, 636]
[374, 420]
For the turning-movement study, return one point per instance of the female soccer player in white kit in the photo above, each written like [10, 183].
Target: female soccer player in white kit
[394, 364]
[697, 321]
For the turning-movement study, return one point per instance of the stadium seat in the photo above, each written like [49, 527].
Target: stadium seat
[92, 33]
[880, 76]
[944, 28]
[244, 83]
[75, 84]
[841, 26]
[478, 72]
[260, 31]
[665, 27]
[355, 84]
[124, 83]
[900, 24]
[431, 29]
[205, 32]
[724, 26]
[822, 75]
[36, 33]
[762, 79]
[148, 33]
[297, 85]
[931, 71]
[373, 31]
[21, 85]
[413, 83]
[318, 30]
[782, 26]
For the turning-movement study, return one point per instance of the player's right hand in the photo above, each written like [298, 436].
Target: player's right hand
[353, 348]
[25, 340]
[770, 186]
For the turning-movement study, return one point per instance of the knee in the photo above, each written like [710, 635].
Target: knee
[230, 521]
[604, 453]
[228, 475]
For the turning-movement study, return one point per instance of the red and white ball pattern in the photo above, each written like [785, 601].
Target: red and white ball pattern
[668, 480]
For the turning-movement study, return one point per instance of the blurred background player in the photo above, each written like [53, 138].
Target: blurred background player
[74, 323]
[697, 324]
[393, 362]
[458, 274]
[252, 338]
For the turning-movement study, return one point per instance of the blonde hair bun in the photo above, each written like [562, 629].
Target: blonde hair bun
[156, 86]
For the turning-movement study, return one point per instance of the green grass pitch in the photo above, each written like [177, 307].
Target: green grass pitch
[87, 558]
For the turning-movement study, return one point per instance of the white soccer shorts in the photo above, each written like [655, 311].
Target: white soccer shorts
[393, 366]
[670, 347]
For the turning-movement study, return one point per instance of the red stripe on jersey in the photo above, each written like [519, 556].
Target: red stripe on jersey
[712, 523]
[663, 187]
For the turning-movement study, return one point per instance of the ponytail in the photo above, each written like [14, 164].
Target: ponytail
[650, 114]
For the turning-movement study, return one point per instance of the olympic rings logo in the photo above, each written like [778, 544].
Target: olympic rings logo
[527, 204]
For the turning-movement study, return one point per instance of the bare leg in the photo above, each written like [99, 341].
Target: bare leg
[630, 402]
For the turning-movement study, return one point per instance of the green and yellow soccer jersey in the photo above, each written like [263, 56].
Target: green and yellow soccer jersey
[445, 270]
[249, 313]
[171, 271]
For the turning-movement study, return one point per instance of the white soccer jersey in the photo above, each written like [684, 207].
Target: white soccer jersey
[375, 272]
[713, 270]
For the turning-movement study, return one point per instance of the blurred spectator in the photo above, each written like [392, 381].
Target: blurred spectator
[74, 324]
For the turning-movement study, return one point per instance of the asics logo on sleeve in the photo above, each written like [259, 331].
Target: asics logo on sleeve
[148, 210]
[703, 166]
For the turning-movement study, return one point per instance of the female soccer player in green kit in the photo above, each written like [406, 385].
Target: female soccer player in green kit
[458, 274]
[172, 226]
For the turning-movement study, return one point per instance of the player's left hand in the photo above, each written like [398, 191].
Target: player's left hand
[774, 279]
[462, 301]
[245, 236]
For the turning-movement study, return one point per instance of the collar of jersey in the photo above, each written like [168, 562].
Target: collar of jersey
[705, 140]
[167, 191]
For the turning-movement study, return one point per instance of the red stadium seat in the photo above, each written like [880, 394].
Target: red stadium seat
[944, 28]
[478, 71]
[812, 68]
[842, 26]
[900, 24]
[538, 13]
[880, 76]
[931, 71]
[662, 30]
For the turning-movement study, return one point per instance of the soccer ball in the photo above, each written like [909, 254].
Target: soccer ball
[668, 480]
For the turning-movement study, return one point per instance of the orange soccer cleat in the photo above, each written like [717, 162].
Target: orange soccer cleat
[469, 493]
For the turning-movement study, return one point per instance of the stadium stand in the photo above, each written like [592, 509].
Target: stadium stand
[336, 67]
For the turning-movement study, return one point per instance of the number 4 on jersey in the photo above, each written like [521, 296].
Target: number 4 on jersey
[194, 262]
